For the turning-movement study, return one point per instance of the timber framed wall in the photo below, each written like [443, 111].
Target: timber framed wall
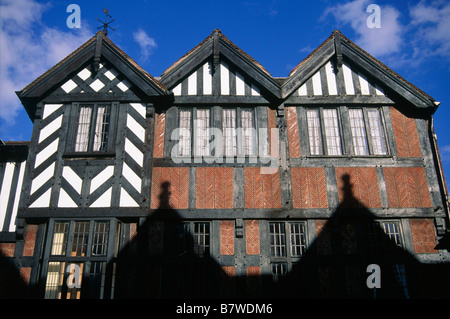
[297, 214]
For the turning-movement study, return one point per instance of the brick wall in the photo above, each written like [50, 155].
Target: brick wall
[252, 246]
[272, 123]
[227, 237]
[7, 249]
[30, 240]
[214, 187]
[423, 235]
[292, 132]
[262, 190]
[406, 136]
[309, 189]
[158, 146]
[172, 184]
[407, 187]
[358, 187]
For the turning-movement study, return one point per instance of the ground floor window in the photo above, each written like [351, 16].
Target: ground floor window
[79, 260]
[287, 245]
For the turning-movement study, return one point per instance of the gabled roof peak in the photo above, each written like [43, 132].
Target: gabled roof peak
[217, 33]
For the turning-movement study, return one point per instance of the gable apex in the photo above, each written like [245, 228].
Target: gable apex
[218, 49]
[97, 48]
[339, 50]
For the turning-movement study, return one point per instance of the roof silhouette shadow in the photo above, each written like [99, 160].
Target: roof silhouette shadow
[12, 284]
[166, 260]
[165, 251]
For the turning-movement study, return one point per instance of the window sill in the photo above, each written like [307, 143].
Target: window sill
[350, 156]
[89, 155]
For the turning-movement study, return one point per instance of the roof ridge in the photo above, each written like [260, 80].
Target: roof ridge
[219, 33]
[365, 53]
[84, 45]
[46, 73]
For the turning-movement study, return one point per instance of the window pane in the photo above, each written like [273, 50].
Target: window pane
[84, 122]
[55, 280]
[229, 132]
[278, 271]
[59, 244]
[74, 269]
[79, 239]
[377, 133]
[101, 129]
[374, 237]
[96, 281]
[358, 132]
[314, 132]
[277, 239]
[332, 134]
[201, 239]
[247, 132]
[383, 237]
[298, 242]
[185, 133]
[202, 133]
[392, 230]
[182, 238]
[100, 239]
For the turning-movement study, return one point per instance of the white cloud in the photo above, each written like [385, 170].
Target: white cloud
[445, 153]
[432, 23]
[147, 44]
[28, 49]
[382, 41]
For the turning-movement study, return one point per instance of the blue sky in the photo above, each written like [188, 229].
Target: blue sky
[414, 40]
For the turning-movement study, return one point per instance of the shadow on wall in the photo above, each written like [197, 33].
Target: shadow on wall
[12, 285]
[170, 258]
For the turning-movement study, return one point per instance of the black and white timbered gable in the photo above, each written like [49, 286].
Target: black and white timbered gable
[89, 140]
[217, 71]
[340, 72]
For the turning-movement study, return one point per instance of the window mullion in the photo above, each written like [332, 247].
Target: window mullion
[92, 124]
[323, 132]
[239, 133]
[287, 230]
[368, 132]
[90, 239]
[70, 238]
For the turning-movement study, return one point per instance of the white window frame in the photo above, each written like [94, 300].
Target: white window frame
[368, 132]
[93, 128]
[325, 136]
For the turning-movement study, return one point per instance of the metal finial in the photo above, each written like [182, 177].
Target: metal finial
[105, 24]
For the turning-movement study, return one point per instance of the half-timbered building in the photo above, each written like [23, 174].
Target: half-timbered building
[217, 179]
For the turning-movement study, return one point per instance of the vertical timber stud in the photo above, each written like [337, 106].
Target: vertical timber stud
[120, 156]
[338, 49]
[97, 53]
[216, 64]
[148, 154]
[216, 58]
[285, 181]
[239, 255]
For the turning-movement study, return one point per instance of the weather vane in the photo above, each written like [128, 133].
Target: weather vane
[106, 23]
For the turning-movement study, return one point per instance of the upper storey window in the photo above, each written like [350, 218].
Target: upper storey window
[93, 128]
[231, 120]
[91, 132]
[367, 132]
[200, 137]
[196, 132]
[324, 132]
[366, 135]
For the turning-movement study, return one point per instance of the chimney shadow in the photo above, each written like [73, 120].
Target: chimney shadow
[12, 284]
[169, 257]
[335, 263]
